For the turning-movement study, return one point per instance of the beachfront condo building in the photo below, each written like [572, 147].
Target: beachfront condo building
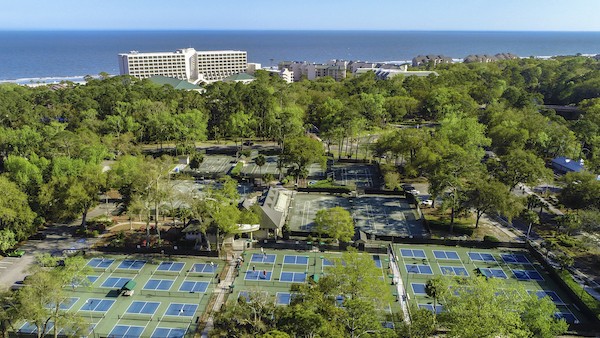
[184, 64]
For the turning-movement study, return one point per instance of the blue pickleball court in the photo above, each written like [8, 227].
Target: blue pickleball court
[528, 275]
[515, 258]
[131, 264]
[100, 263]
[258, 275]
[419, 269]
[193, 286]
[418, 288]
[204, 267]
[165, 332]
[298, 260]
[482, 257]
[414, 253]
[292, 277]
[159, 284]
[263, 258]
[283, 298]
[548, 293]
[115, 282]
[170, 266]
[493, 273]
[454, 271]
[443, 254]
[377, 260]
[181, 310]
[126, 331]
[143, 308]
[97, 305]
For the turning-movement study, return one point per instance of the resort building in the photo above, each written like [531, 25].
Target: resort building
[311, 71]
[423, 60]
[184, 64]
[217, 65]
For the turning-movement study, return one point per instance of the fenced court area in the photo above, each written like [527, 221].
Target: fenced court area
[373, 214]
[270, 167]
[270, 273]
[215, 166]
[304, 207]
[386, 216]
[170, 294]
[419, 263]
[362, 175]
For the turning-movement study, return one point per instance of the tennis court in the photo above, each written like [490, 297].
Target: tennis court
[386, 216]
[419, 263]
[270, 167]
[361, 175]
[215, 166]
[304, 207]
[165, 305]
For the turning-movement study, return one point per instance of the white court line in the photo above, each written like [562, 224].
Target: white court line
[304, 215]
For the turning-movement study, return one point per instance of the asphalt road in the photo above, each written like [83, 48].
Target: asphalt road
[59, 238]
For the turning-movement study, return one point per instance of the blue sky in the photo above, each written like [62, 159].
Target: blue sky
[537, 15]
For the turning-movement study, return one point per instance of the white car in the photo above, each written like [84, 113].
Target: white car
[414, 192]
[427, 203]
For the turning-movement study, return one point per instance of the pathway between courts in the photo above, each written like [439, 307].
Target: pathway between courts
[402, 296]
[221, 290]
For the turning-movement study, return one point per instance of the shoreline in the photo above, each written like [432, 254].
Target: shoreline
[48, 80]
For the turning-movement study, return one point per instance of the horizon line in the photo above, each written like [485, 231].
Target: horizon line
[286, 30]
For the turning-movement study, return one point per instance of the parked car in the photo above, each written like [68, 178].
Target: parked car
[427, 203]
[16, 253]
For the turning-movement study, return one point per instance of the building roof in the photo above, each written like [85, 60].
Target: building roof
[175, 83]
[239, 77]
[275, 207]
[568, 164]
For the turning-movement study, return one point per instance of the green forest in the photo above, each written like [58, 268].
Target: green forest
[54, 138]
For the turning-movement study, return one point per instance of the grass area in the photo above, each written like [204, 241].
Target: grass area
[590, 301]
[440, 225]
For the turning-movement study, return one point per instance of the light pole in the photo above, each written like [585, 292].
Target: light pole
[89, 302]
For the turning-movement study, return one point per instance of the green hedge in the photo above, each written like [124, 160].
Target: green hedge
[489, 238]
[459, 229]
[590, 301]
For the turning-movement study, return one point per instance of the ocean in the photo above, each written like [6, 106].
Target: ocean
[31, 56]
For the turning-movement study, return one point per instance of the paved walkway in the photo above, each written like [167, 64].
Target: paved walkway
[221, 291]
[400, 289]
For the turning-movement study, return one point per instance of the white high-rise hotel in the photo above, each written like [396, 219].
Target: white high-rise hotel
[184, 64]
